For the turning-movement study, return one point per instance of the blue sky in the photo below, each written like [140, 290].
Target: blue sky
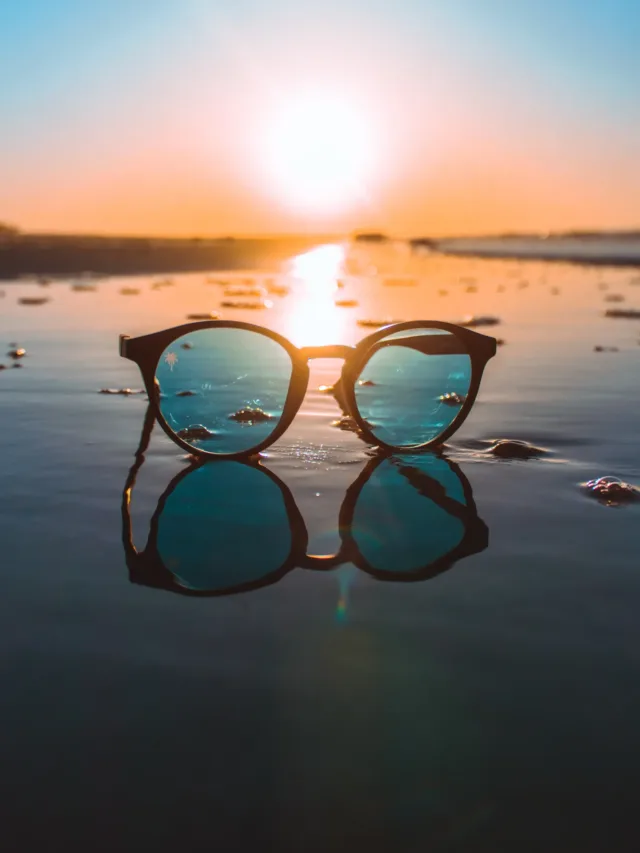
[156, 99]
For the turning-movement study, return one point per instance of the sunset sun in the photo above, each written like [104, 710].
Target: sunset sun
[318, 154]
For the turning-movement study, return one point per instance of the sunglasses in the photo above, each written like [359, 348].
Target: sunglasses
[206, 539]
[221, 388]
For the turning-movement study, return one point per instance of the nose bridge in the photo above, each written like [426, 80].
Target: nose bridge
[331, 351]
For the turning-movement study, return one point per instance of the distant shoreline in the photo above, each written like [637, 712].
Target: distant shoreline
[74, 255]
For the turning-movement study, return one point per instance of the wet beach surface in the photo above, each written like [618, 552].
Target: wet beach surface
[491, 706]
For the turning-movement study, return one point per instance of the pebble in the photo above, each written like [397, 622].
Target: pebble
[623, 313]
[507, 448]
[611, 491]
[614, 297]
[19, 352]
[452, 399]
[471, 321]
[250, 416]
[84, 288]
[248, 306]
[605, 349]
[366, 383]
[129, 291]
[377, 324]
[17, 364]
[33, 300]
[124, 392]
[195, 432]
[443, 292]
[186, 345]
[209, 315]
[325, 389]
[186, 394]
[3, 366]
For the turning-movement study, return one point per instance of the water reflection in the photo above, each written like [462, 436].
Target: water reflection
[227, 527]
[312, 318]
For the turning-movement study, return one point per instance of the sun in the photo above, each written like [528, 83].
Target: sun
[318, 154]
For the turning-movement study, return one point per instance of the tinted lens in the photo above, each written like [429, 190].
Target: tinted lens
[413, 386]
[409, 514]
[224, 525]
[223, 390]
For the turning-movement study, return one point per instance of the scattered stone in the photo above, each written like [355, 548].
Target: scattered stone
[17, 353]
[507, 448]
[346, 303]
[611, 491]
[471, 321]
[33, 300]
[123, 392]
[605, 349]
[248, 306]
[623, 313]
[129, 291]
[83, 288]
[443, 293]
[326, 389]
[186, 394]
[367, 383]
[3, 366]
[186, 345]
[471, 289]
[258, 292]
[17, 364]
[196, 432]
[163, 282]
[251, 416]
[209, 315]
[614, 297]
[452, 399]
[346, 423]
[376, 324]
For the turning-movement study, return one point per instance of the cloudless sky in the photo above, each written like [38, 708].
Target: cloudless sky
[125, 116]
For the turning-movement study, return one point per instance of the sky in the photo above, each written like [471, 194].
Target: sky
[415, 117]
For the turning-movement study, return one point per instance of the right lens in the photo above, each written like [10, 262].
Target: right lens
[224, 525]
[223, 390]
[413, 386]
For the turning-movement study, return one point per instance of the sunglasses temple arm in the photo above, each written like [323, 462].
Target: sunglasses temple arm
[145, 437]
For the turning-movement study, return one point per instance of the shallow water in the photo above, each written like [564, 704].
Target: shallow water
[488, 704]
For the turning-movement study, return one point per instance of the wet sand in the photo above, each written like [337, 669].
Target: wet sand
[492, 706]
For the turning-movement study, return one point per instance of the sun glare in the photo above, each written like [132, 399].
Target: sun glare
[318, 154]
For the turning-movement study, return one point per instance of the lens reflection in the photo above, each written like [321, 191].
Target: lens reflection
[223, 390]
[410, 514]
[413, 386]
[224, 525]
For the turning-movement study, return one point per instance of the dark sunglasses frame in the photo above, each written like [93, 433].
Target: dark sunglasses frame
[148, 569]
[146, 351]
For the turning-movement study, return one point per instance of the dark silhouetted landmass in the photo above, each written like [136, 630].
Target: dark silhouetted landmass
[63, 255]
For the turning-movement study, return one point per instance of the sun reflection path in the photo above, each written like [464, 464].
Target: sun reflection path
[312, 318]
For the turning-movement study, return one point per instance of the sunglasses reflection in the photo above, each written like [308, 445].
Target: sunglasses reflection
[227, 527]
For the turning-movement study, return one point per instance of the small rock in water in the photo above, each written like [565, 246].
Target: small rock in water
[471, 289]
[3, 366]
[443, 292]
[195, 432]
[123, 392]
[17, 364]
[17, 353]
[471, 321]
[186, 394]
[247, 306]
[452, 399]
[209, 315]
[623, 313]
[33, 300]
[250, 416]
[605, 349]
[367, 383]
[614, 297]
[129, 291]
[325, 389]
[346, 423]
[377, 324]
[612, 491]
[186, 345]
[507, 448]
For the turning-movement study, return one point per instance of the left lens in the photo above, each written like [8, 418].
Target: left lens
[224, 525]
[413, 386]
[223, 389]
